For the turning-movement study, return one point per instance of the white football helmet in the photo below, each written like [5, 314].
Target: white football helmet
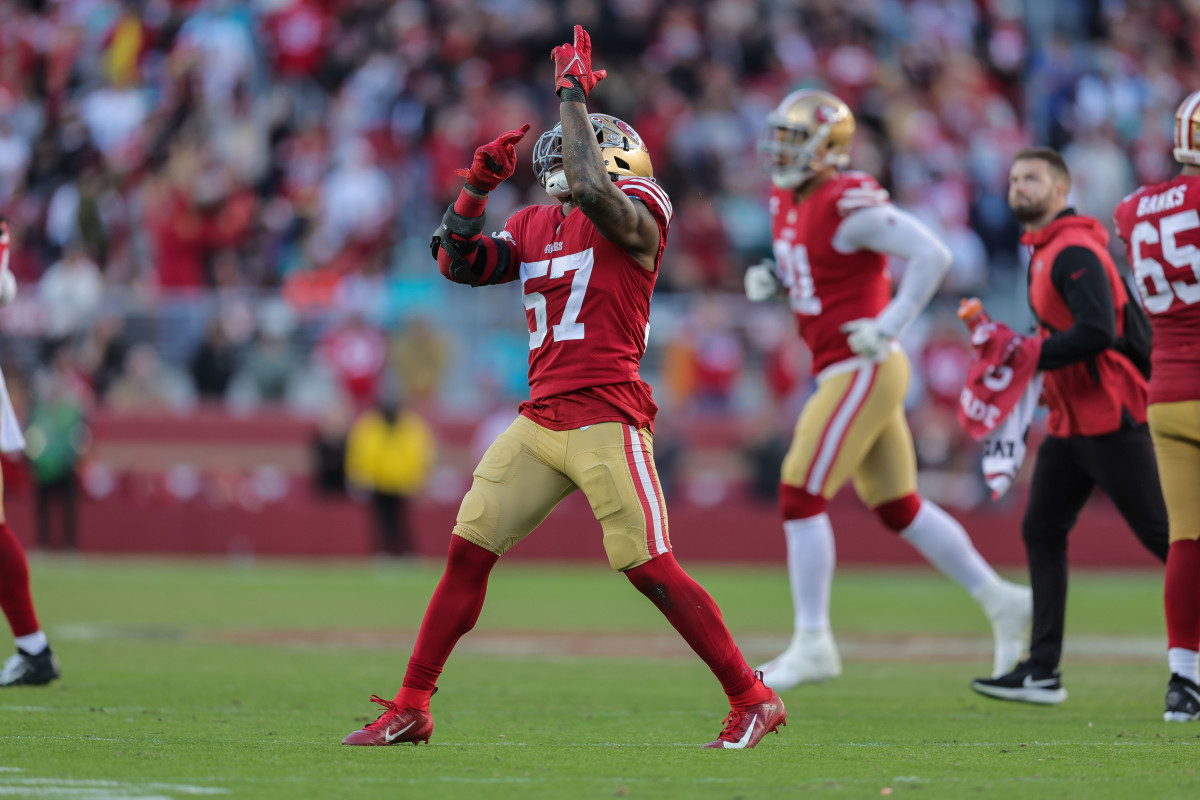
[1187, 130]
[808, 131]
[622, 148]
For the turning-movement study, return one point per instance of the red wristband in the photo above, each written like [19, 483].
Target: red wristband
[468, 205]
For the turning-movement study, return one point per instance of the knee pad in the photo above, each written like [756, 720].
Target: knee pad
[621, 547]
[796, 503]
[898, 514]
[477, 518]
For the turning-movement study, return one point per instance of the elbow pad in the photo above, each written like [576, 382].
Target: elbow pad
[459, 237]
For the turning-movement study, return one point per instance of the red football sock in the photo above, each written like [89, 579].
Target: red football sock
[1181, 594]
[15, 598]
[693, 613]
[453, 610]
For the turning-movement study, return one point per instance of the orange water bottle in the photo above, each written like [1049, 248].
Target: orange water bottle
[970, 311]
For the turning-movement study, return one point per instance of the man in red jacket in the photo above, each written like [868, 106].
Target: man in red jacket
[1097, 401]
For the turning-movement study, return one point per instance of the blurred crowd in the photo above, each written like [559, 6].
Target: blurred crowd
[219, 201]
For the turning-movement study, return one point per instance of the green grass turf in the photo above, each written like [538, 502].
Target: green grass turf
[156, 703]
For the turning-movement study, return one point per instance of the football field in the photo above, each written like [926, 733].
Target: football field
[184, 679]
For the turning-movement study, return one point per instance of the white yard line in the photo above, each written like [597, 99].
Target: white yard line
[867, 647]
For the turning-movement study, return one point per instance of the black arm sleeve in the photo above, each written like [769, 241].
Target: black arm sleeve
[1080, 278]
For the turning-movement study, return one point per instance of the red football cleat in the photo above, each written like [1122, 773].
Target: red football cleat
[744, 728]
[395, 725]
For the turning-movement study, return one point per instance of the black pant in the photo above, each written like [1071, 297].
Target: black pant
[392, 525]
[60, 493]
[1122, 464]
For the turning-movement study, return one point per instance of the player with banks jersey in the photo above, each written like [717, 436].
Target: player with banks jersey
[1160, 225]
[587, 268]
[832, 232]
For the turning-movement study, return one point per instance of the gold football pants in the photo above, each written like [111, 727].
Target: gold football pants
[529, 469]
[854, 426]
[1175, 428]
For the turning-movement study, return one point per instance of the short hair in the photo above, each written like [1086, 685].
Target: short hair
[1050, 156]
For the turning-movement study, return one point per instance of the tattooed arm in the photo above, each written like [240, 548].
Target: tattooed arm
[620, 219]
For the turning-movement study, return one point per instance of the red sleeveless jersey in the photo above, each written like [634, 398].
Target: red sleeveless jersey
[1161, 228]
[826, 287]
[587, 302]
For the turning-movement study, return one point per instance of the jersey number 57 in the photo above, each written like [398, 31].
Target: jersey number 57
[568, 327]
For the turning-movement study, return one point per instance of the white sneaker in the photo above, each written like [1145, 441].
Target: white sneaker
[812, 657]
[1009, 607]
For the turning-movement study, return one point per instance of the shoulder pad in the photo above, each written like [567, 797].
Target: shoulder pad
[650, 193]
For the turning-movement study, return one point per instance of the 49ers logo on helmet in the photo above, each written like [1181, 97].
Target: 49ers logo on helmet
[825, 114]
[630, 132]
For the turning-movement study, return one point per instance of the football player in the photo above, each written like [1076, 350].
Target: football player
[34, 664]
[587, 267]
[1160, 225]
[833, 231]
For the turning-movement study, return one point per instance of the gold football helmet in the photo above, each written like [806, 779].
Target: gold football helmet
[808, 131]
[1187, 130]
[622, 148]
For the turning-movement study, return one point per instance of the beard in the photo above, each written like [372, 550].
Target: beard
[1029, 211]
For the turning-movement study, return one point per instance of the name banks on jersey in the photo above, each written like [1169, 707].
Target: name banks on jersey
[828, 288]
[1160, 225]
[587, 303]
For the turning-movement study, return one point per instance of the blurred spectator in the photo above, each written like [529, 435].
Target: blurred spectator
[419, 356]
[271, 363]
[329, 449]
[389, 455]
[356, 353]
[102, 352]
[213, 363]
[356, 200]
[56, 438]
[146, 384]
[71, 290]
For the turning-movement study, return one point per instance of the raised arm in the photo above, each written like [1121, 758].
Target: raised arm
[620, 219]
[463, 253]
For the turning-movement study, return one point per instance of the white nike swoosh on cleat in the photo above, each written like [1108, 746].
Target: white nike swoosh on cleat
[741, 743]
[390, 737]
[1041, 683]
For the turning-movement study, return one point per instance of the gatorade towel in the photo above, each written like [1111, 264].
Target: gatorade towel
[1003, 364]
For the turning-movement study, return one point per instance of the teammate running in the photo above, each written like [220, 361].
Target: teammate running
[833, 231]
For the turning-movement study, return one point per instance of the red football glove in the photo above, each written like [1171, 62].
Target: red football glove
[573, 66]
[495, 161]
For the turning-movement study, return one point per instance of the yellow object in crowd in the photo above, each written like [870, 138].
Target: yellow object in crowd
[392, 458]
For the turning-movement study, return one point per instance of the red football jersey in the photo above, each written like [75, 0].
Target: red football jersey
[1161, 228]
[587, 302]
[828, 288]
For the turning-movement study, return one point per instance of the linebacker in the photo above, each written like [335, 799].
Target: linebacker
[588, 268]
[833, 231]
[1161, 228]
